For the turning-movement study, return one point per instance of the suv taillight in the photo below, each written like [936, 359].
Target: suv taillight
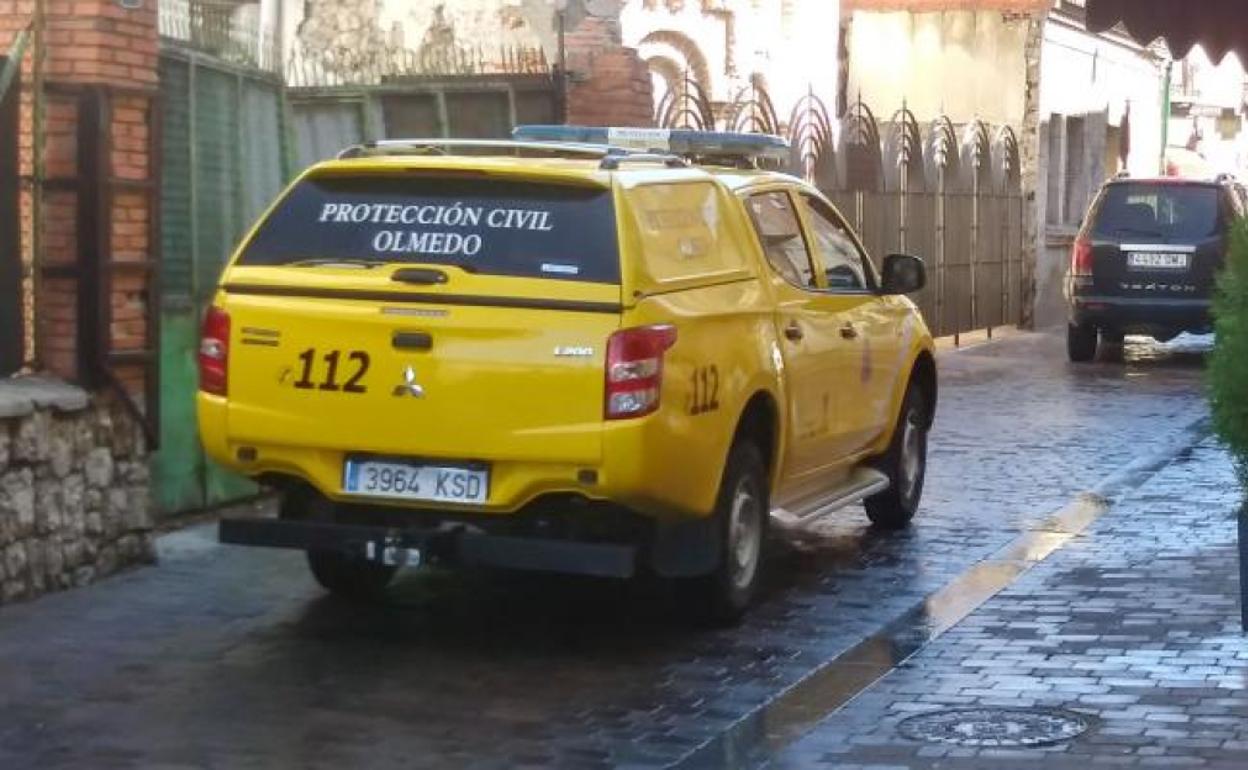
[635, 370]
[214, 352]
[1081, 259]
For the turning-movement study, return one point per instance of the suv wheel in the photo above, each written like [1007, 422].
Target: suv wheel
[905, 464]
[1081, 342]
[741, 513]
[1113, 345]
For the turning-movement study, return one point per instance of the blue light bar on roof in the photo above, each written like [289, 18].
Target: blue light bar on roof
[678, 141]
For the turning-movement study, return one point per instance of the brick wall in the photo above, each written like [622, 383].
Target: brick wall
[90, 43]
[609, 83]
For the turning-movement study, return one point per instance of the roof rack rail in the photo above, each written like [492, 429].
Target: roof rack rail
[612, 161]
[437, 146]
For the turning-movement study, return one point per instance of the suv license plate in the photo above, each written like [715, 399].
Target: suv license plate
[416, 481]
[1155, 260]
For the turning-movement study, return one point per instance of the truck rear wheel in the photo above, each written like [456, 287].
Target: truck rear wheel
[349, 577]
[339, 573]
[741, 513]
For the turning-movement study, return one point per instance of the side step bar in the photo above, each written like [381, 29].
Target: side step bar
[864, 483]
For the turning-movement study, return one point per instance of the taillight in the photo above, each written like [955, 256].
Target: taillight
[214, 352]
[635, 370]
[1081, 258]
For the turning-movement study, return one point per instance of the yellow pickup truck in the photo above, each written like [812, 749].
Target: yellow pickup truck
[589, 351]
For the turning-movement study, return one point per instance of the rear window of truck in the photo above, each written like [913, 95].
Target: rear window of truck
[1174, 212]
[490, 226]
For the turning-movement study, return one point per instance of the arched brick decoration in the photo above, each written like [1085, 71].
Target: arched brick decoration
[679, 48]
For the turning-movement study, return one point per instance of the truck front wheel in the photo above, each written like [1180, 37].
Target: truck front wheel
[905, 464]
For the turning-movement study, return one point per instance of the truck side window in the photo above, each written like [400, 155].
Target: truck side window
[836, 254]
[781, 236]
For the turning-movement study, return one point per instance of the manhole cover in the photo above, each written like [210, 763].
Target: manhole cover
[994, 727]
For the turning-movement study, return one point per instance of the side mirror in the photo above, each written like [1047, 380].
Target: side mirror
[903, 274]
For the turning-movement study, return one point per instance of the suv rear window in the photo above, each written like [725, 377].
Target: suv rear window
[1177, 212]
[492, 226]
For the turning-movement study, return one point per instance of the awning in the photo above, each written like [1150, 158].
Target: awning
[1219, 26]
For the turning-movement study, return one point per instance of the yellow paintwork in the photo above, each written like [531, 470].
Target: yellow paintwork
[496, 394]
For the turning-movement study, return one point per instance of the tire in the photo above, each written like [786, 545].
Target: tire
[1113, 345]
[336, 572]
[1081, 343]
[905, 464]
[349, 577]
[742, 510]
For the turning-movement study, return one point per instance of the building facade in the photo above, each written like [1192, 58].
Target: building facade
[1100, 114]
[620, 54]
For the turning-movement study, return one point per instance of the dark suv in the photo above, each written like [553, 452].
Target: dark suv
[1146, 259]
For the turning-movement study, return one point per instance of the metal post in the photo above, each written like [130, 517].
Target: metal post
[1165, 116]
[1004, 203]
[975, 246]
[561, 67]
[940, 251]
[1242, 520]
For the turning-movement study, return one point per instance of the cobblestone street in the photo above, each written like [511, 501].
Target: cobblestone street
[1136, 624]
[232, 658]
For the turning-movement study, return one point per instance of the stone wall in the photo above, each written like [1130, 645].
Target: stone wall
[73, 488]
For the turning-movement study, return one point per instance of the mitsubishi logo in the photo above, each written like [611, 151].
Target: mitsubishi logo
[409, 386]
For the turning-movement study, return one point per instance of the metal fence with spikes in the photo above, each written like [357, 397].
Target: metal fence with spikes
[948, 193]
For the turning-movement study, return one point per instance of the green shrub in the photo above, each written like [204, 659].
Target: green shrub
[1228, 367]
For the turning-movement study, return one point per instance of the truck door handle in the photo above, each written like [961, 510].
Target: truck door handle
[793, 331]
[849, 332]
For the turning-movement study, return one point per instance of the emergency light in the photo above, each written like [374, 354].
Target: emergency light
[677, 141]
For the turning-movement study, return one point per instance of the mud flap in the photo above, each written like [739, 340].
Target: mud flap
[688, 548]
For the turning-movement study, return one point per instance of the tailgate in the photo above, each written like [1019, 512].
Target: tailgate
[1158, 240]
[415, 380]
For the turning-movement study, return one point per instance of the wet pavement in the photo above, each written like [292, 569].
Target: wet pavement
[231, 658]
[1132, 628]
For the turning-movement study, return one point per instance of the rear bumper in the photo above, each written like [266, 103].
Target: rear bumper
[1142, 314]
[457, 546]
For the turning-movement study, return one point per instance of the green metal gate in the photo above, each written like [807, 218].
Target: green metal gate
[225, 157]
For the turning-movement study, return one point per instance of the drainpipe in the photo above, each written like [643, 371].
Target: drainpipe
[1165, 115]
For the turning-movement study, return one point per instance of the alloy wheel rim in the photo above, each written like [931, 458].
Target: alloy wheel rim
[911, 464]
[745, 534]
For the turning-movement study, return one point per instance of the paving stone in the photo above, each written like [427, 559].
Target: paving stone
[1163, 560]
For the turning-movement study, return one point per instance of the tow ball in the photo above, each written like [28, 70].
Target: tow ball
[392, 552]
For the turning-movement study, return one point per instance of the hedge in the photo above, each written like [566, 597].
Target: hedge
[1228, 366]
